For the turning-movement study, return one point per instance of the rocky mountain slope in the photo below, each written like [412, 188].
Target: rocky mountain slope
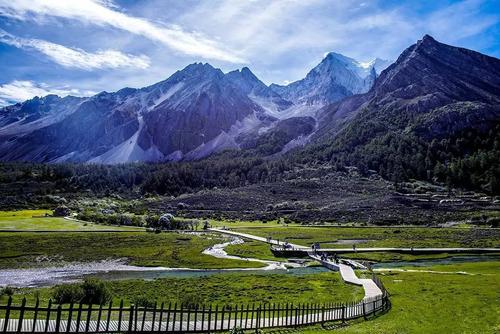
[434, 113]
[194, 113]
[334, 79]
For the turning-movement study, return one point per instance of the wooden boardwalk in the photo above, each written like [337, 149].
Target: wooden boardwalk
[257, 238]
[372, 290]
[300, 248]
[347, 273]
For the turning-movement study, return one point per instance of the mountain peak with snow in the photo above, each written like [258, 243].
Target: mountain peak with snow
[334, 78]
[197, 111]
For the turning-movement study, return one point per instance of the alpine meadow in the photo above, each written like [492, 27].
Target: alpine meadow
[249, 166]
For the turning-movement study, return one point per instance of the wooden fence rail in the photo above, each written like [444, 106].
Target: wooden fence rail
[108, 318]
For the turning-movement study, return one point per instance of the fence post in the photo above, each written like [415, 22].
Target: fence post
[160, 319]
[195, 317]
[296, 320]
[47, 318]
[36, 315]
[209, 317]
[21, 316]
[145, 309]
[286, 315]
[323, 314]
[154, 317]
[364, 310]
[222, 317]
[246, 316]
[79, 317]
[257, 325]
[203, 317]
[241, 316]
[188, 317]
[305, 313]
[175, 316]
[216, 315]
[120, 314]
[58, 318]
[108, 318]
[7, 314]
[136, 316]
[70, 316]
[168, 316]
[181, 315]
[130, 317]
[89, 313]
[99, 314]
[235, 315]
[343, 312]
[274, 313]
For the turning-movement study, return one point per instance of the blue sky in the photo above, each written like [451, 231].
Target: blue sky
[85, 46]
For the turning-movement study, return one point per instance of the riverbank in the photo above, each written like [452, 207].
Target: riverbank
[171, 250]
[118, 269]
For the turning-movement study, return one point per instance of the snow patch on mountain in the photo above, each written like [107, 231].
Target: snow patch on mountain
[168, 94]
[129, 151]
[221, 142]
[229, 140]
[335, 78]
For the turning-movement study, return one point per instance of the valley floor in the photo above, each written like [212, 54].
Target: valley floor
[426, 296]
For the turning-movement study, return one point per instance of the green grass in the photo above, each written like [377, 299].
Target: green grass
[380, 237]
[252, 249]
[425, 303]
[422, 302]
[35, 220]
[223, 289]
[393, 257]
[138, 248]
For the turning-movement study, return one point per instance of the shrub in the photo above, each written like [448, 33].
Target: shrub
[236, 330]
[143, 301]
[68, 293]
[95, 291]
[191, 299]
[8, 291]
[91, 291]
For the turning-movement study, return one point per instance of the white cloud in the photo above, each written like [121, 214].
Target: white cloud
[105, 13]
[77, 58]
[284, 38]
[22, 90]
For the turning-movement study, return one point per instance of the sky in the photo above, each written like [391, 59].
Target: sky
[83, 47]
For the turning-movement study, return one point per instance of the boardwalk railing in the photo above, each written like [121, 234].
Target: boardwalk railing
[79, 318]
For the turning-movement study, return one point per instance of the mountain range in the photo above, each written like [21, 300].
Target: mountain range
[196, 112]
[373, 115]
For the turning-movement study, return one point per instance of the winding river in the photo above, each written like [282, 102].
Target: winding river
[119, 270]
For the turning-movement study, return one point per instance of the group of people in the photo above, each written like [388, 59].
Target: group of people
[334, 258]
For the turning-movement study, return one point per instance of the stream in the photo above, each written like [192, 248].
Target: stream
[119, 270]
